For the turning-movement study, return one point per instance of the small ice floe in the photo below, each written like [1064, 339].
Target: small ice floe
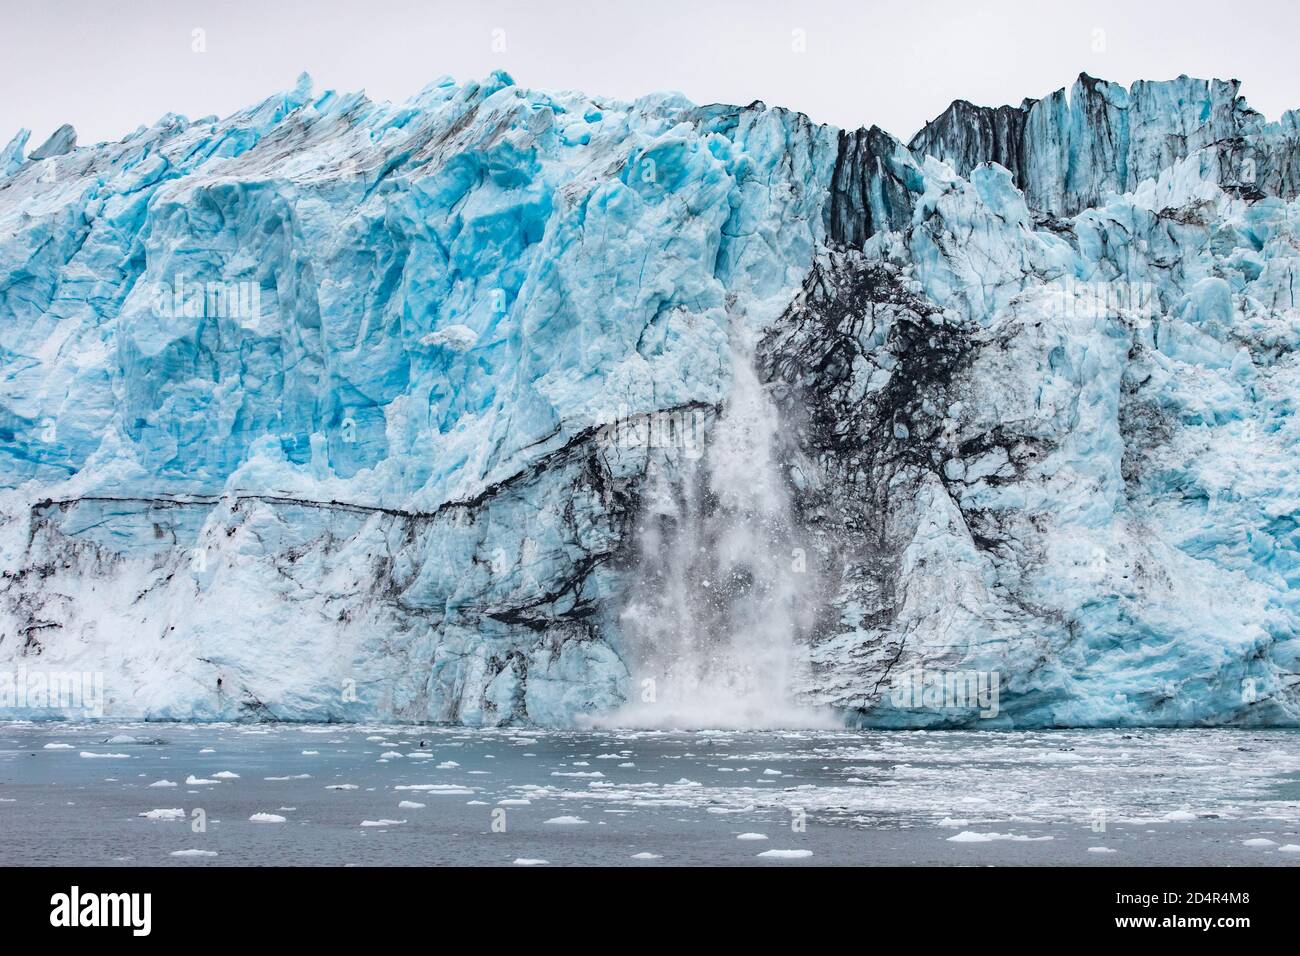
[311, 753]
[566, 821]
[296, 776]
[751, 836]
[266, 818]
[193, 853]
[226, 775]
[970, 836]
[588, 774]
[391, 755]
[163, 783]
[193, 781]
[286, 809]
[1101, 849]
[382, 823]
[627, 765]
[410, 805]
[769, 772]
[448, 765]
[341, 786]
[515, 802]
[437, 789]
[786, 854]
[1259, 841]
[950, 822]
[609, 756]
[88, 754]
[57, 746]
[1289, 848]
[172, 814]
[207, 750]
[525, 861]
[647, 856]
[1177, 816]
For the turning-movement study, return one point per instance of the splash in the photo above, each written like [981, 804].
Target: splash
[724, 589]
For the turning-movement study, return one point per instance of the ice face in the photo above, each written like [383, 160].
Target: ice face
[336, 410]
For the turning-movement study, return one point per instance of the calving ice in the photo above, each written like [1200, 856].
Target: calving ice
[74, 908]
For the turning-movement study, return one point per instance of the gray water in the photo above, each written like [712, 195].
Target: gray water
[494, 797]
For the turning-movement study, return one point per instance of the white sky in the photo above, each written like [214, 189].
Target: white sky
[107, 66]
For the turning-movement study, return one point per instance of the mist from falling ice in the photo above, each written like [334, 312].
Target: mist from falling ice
[723, 592]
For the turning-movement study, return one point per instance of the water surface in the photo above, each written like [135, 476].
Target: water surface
[638, 798]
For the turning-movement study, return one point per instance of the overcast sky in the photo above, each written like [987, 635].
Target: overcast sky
[107, 67]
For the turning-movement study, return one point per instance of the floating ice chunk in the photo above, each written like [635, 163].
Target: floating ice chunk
[163, 783]
[1289, 848]
[647, 856]
[171, 814]
[525, 861]
[341, 786]
[1101, 849]
[57, 747]
[382, 823]
[751, 836]
[188, 853]
[409, 805]
[87, 753]
[566, 821]
[266, 818]
[786, 854]
[1176, 816]
[970, 836]
[193, 781]
[1259, 841]
[448, 765]
[226, 775]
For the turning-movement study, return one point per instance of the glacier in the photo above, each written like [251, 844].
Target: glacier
[342, 410]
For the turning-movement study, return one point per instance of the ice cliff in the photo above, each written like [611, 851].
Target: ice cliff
[454, 410]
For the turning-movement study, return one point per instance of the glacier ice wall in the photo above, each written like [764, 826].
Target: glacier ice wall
[340, 410]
